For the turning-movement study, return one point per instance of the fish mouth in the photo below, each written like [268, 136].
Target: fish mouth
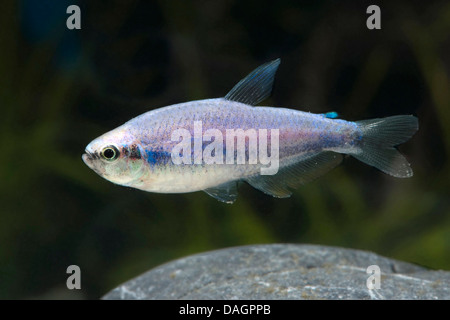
[89, 160]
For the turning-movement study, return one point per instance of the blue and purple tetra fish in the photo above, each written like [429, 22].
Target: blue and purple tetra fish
[213, 144]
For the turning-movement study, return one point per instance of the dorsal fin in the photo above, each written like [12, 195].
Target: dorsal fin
[255, 87]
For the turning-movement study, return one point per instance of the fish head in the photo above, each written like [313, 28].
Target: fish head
[116, 156]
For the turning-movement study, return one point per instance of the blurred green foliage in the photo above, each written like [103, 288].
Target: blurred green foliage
[60, 89]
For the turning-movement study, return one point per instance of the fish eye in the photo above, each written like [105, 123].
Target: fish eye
[110, 153]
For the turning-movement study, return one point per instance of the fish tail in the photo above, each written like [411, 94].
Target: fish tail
[378, 141]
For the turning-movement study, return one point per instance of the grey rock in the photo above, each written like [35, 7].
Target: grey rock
[284, 271]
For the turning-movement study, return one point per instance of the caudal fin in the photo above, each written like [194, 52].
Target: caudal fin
[380, 136]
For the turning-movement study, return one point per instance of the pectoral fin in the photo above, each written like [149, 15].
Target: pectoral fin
[226, 192]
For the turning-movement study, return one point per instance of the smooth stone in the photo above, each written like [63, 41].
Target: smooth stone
[284, 271]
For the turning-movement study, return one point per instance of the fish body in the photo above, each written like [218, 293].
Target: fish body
[212, 144]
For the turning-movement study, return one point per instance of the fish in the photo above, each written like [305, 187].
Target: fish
[212, 145]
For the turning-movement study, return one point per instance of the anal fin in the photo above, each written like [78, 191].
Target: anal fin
[282, 183]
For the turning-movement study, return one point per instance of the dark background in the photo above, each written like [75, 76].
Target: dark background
[62, 88]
